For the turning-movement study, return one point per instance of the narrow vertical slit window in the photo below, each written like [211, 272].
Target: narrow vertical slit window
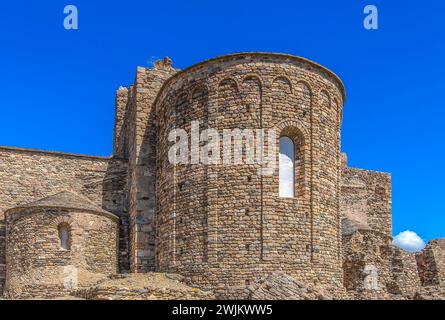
[287, 168]
[64, 236]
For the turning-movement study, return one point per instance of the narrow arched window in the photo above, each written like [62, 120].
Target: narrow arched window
[287, 168]
[64, 236]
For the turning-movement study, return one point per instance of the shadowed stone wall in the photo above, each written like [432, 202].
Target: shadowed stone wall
[135, 140]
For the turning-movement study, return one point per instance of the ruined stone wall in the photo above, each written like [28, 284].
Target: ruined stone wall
[365, 201]
[138, 144]
[28, 175]
[37, 265]
[431, 262]
[279, 286]
[225, 227]
[121, 122]
[143, 286]
[375, 269]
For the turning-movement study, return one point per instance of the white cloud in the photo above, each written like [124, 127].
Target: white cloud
[409, 241]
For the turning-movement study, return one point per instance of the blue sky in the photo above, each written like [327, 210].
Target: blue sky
[57, 86]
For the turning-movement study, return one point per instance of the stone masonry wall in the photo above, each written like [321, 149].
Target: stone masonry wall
[279, 286]
[375, 269]
[224, 226]
[431, 262]
[28, 175]
[39, 267]
[120, 122]
[146, 286]
[365, 201]
[138, 143]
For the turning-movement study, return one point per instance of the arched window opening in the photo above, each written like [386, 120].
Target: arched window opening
[287, 168]
[64, 236]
